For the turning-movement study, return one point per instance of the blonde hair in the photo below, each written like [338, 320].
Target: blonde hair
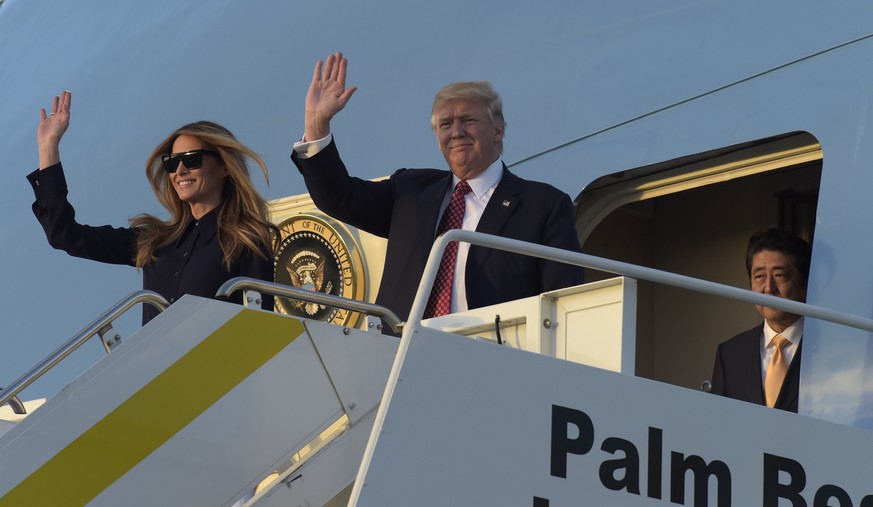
[480, 92]
[242, 215]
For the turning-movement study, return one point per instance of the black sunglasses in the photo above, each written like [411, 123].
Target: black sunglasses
[192, 159]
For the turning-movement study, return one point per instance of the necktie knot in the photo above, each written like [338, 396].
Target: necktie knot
[779, 341]
[453, 216]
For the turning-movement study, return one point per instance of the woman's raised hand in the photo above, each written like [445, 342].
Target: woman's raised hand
[51, 129]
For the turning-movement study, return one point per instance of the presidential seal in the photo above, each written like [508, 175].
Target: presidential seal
[316, 253]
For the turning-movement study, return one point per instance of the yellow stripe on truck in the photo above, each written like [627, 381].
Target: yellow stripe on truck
[155, 413]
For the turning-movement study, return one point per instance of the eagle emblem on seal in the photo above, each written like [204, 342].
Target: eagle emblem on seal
[317, 254]
[306, 270]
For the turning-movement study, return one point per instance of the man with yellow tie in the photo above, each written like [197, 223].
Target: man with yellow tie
[762, 365]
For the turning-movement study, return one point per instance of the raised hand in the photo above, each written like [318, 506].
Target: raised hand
[51, 129]
[327, 96]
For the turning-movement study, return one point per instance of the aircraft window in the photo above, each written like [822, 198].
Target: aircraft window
[693, 216]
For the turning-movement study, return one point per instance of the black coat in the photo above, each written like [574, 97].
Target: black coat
[737, 372]
[405, 209]
[192, 265]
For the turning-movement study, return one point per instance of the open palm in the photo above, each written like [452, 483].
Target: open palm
[327, 95]
[52, 126]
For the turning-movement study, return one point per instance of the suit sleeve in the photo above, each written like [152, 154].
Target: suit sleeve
[560, 232]
[58, 219]
[367, 205]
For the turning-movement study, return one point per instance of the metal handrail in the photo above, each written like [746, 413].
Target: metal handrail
[278, 289]
[142, 296]
[17, 406]
[623, 269]
[579, 259]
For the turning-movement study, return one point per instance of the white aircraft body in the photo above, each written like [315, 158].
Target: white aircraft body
[678, 127]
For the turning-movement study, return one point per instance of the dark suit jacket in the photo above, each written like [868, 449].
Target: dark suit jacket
[737, 371]
[405, 209]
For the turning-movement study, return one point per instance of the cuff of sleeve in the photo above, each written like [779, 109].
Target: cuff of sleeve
[307, 149]
[48, 182]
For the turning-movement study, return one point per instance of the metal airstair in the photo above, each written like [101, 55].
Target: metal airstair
[217, 404]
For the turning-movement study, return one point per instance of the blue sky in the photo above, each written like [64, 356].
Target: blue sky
[139, 70]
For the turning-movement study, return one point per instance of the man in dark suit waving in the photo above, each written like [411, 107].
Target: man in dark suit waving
[414, 206]
[762, 365]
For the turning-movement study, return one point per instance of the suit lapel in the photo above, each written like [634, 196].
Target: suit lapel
[503, 203]
[430, 201]
[751, 356]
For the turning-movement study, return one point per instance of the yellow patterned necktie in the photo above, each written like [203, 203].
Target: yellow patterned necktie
[776, 370]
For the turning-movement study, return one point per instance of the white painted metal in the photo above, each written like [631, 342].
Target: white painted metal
[102, 324]
[325, 475]
[629, 84]
[277, 289]
[356, 362]
[8, 418]
[107, 384]
[593, 324]
[5, 426]
[481, 434]
[596, 324]
[218, 456]
[414, 326]
[472, 413]
[7, 414]
[251, 431]
[621, 268]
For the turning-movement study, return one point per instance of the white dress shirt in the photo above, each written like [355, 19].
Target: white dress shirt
[482, 188]
[306, 149]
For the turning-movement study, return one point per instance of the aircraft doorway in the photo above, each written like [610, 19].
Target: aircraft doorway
[693, 216]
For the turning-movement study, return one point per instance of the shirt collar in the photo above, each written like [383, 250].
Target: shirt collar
[484, 181]
[207, 226]
[793, 333]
